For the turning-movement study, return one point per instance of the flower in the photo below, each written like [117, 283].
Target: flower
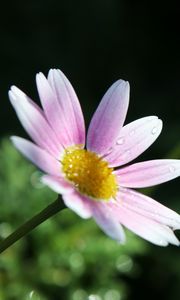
[93, 181]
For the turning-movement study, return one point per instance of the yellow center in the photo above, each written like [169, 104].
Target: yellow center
[89, 173]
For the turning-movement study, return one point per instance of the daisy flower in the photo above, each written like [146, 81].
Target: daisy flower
[91, 172]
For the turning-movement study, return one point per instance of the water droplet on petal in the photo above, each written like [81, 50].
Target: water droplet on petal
[172, 169]
[128, 152]
[120, 141]
[154, 130]
[132, 132]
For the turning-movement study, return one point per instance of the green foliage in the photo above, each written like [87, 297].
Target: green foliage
[65, 257]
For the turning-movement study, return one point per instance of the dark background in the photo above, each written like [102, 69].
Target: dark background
[95, 43]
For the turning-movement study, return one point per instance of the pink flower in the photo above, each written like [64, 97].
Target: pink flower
[92, 180]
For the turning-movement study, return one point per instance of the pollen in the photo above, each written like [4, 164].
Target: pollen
[89, 173]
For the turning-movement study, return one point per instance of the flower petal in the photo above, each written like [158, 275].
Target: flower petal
[78, 203]
[148, 207]
[148, 173]
[104, 218]
[108, 118]
[34, 122]
[133, 140]
[148, 229]
[68, 107]
[38, 156]
[53, 111]
[57, 184]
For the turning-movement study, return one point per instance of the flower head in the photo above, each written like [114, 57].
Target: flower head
[92, 179]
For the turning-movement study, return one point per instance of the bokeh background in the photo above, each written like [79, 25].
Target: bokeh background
[94, 43]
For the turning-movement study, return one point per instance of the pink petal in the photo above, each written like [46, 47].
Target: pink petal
[67, 105]
[79, 204]
[36, 155]
[53, 111]
[34, 122]
[133, 140]
[148, 229]
[147, 207]
[108, 118]
[57, 184]
[104, 218]
[148, 173]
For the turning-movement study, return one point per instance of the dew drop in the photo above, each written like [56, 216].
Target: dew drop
[172, 169]
[127, 153]
[120, 141]
[132, 132]
[154, 130]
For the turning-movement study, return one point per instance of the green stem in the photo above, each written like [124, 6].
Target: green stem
[45, 214]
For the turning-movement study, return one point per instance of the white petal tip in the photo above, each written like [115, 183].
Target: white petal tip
[11, 96]
[175, 243]
[169, 239]
[121, 241]
[15, 89]
[40, 79]
[12, 87]
[178, 244]
[15, 139]
[39, 75]
[123, 84]
[156, 127]
[160, 122]
[12, 138]
[177, 227]
[15, 93]
[53, 70]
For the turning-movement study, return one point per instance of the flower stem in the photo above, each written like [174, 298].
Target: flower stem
[45, 214]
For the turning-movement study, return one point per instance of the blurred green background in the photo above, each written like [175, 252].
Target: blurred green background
[94, 43]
